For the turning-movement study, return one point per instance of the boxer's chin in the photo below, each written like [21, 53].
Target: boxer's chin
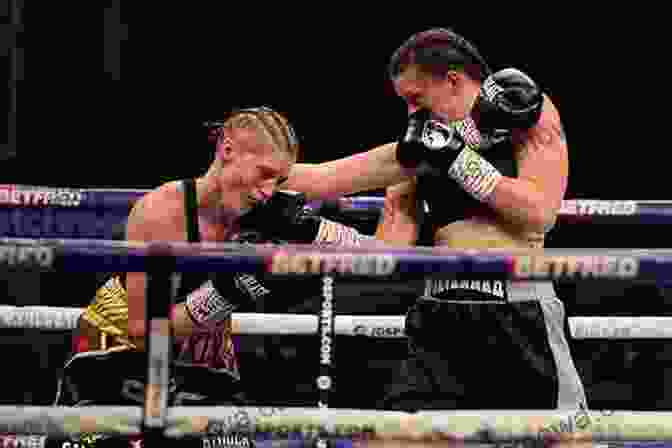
[447, 118]
[449, 114]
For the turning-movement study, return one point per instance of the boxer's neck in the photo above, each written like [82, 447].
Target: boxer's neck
[215, 207]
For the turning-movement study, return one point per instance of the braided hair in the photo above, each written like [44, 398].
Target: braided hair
[263, 118]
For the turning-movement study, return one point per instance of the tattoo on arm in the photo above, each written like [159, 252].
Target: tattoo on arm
[542, 135]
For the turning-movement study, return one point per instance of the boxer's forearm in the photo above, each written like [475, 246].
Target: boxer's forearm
[370, 170]
[533, 199]
[522, 203]
[183, 325]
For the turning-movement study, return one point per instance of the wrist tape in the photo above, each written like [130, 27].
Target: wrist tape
[339, 234]
[211, 304]
[477, 176]
[207, 307]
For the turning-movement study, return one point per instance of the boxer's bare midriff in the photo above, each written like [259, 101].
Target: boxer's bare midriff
[483, 233]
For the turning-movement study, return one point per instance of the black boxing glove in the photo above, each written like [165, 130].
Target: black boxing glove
[214, 301]
[282, 218]
[431, 146]
[508, 99]
[428, 143]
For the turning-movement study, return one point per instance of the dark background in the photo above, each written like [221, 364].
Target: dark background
[168, 67]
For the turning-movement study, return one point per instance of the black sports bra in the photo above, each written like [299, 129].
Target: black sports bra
[447, 202]
[191, 280]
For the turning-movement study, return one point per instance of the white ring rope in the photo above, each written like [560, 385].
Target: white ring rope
[583, 327]
[481, 425]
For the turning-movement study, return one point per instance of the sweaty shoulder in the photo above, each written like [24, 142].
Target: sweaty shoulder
[548, 133]
[549, 127]
[159, 209]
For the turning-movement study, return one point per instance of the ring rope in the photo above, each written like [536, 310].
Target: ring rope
[377, 260]
[481, 425]
[374, 326]
[28, 211]
[33, 195]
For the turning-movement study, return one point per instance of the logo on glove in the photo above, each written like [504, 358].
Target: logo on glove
[436, 135]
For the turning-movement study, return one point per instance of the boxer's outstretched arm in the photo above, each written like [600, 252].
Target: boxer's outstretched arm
[533, 199]
[369, 170]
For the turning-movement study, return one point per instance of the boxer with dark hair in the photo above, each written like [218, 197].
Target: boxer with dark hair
[235, 200]
[484, 156]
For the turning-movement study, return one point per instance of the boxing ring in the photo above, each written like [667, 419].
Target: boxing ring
[61, 229]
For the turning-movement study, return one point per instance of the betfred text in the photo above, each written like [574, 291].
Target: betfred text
[558, 267]
[325, 263]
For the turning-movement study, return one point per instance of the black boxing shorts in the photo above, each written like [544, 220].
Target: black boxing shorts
[118, 379]
[487, 345]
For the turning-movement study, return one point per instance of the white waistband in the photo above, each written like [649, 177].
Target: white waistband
[502, 291]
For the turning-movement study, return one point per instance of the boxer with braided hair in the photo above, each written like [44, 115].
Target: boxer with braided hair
[482, 162]
[235, 200]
